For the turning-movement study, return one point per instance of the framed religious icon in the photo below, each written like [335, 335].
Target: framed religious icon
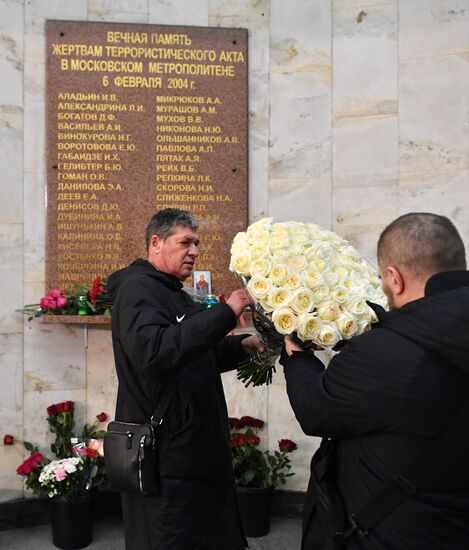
[202, 283]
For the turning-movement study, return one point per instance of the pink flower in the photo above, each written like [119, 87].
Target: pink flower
[55, 293]
[60, 474]
[61, 301]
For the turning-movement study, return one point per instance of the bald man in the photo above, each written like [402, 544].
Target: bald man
[390, 392]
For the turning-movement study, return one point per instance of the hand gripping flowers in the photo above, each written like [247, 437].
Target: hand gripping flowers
[305, 281]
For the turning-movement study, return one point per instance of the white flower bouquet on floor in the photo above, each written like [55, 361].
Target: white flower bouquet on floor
[305, 281]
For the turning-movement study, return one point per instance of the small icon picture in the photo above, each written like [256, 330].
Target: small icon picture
[202, 283]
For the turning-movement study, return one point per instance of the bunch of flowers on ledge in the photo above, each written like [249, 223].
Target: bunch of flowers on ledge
[91, 299]
[79, 466]
[253, 467]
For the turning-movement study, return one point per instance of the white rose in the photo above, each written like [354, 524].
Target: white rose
[279, 298]
[259, 267]
[357, 306]
[295, 249]
[260, 236]
[313, 278]
[299, 237]
[363, 326]
[264, 223]
[316, 264]
[340, 271]
[280, 256]
[259, 287]
[258, 250]
[239, 246]
[240, 263]
[278, 241]
[284, 321]
[328, 311]
[321, 293]
[330, 277]
[278, 273]
[302, 301]
[340, 294]
[293, 281]
[298, 263]
[347, 325]
[328, 335]
[308, 326]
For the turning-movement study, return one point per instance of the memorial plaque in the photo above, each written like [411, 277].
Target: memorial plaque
[140, 118]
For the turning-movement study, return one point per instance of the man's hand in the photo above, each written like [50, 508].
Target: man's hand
[251, 344]
[291, 345]
[238, 301]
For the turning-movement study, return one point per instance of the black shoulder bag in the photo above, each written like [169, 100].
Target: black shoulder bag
[326, 525]
[131, 451]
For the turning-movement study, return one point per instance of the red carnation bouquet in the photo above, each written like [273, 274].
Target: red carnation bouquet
[253, 467]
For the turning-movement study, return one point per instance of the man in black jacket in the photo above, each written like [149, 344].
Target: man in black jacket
[160, 335]
[390, 392]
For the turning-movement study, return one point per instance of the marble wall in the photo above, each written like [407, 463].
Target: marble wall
[358, 112]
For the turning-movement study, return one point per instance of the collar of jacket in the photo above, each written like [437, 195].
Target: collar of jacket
[437, 284]
[149, 269]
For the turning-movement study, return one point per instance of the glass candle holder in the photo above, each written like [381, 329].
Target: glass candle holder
[82, 305]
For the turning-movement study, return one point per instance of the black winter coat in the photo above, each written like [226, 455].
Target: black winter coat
[159, 333]
[385, 397]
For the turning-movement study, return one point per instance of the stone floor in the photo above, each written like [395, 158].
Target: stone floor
[108, 535]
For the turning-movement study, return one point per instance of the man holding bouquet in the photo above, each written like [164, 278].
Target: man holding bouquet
[162, 339]
[388, 396]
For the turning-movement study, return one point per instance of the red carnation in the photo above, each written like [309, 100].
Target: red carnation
[8, 439]
[102, 417]
[287, 445]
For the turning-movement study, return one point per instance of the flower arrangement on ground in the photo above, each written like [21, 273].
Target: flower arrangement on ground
[91, 299]
[253, 467]
[79, 466]
[305, 281]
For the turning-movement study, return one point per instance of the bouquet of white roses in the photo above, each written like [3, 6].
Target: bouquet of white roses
[306, 281]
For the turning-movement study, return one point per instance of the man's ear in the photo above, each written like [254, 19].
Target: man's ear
[155, 242]
[396, 280]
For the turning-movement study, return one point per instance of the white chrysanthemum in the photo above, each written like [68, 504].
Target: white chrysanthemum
[284, 321]
[293, 281]
[347, 325]
[259, 267]
[308, 326]
[259, 287]
[279, 298]
[328, 311]
[328, 335]
[302, 301]
[278, 274]
[240, 263]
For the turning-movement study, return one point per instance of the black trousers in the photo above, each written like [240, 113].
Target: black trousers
[188, 515]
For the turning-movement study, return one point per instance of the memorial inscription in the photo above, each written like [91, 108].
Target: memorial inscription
[140, 118]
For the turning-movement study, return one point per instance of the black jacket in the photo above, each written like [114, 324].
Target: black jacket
[159, 333]
[385, 397]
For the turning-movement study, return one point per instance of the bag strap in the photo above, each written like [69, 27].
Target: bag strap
[401, 487]
[166, 397]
